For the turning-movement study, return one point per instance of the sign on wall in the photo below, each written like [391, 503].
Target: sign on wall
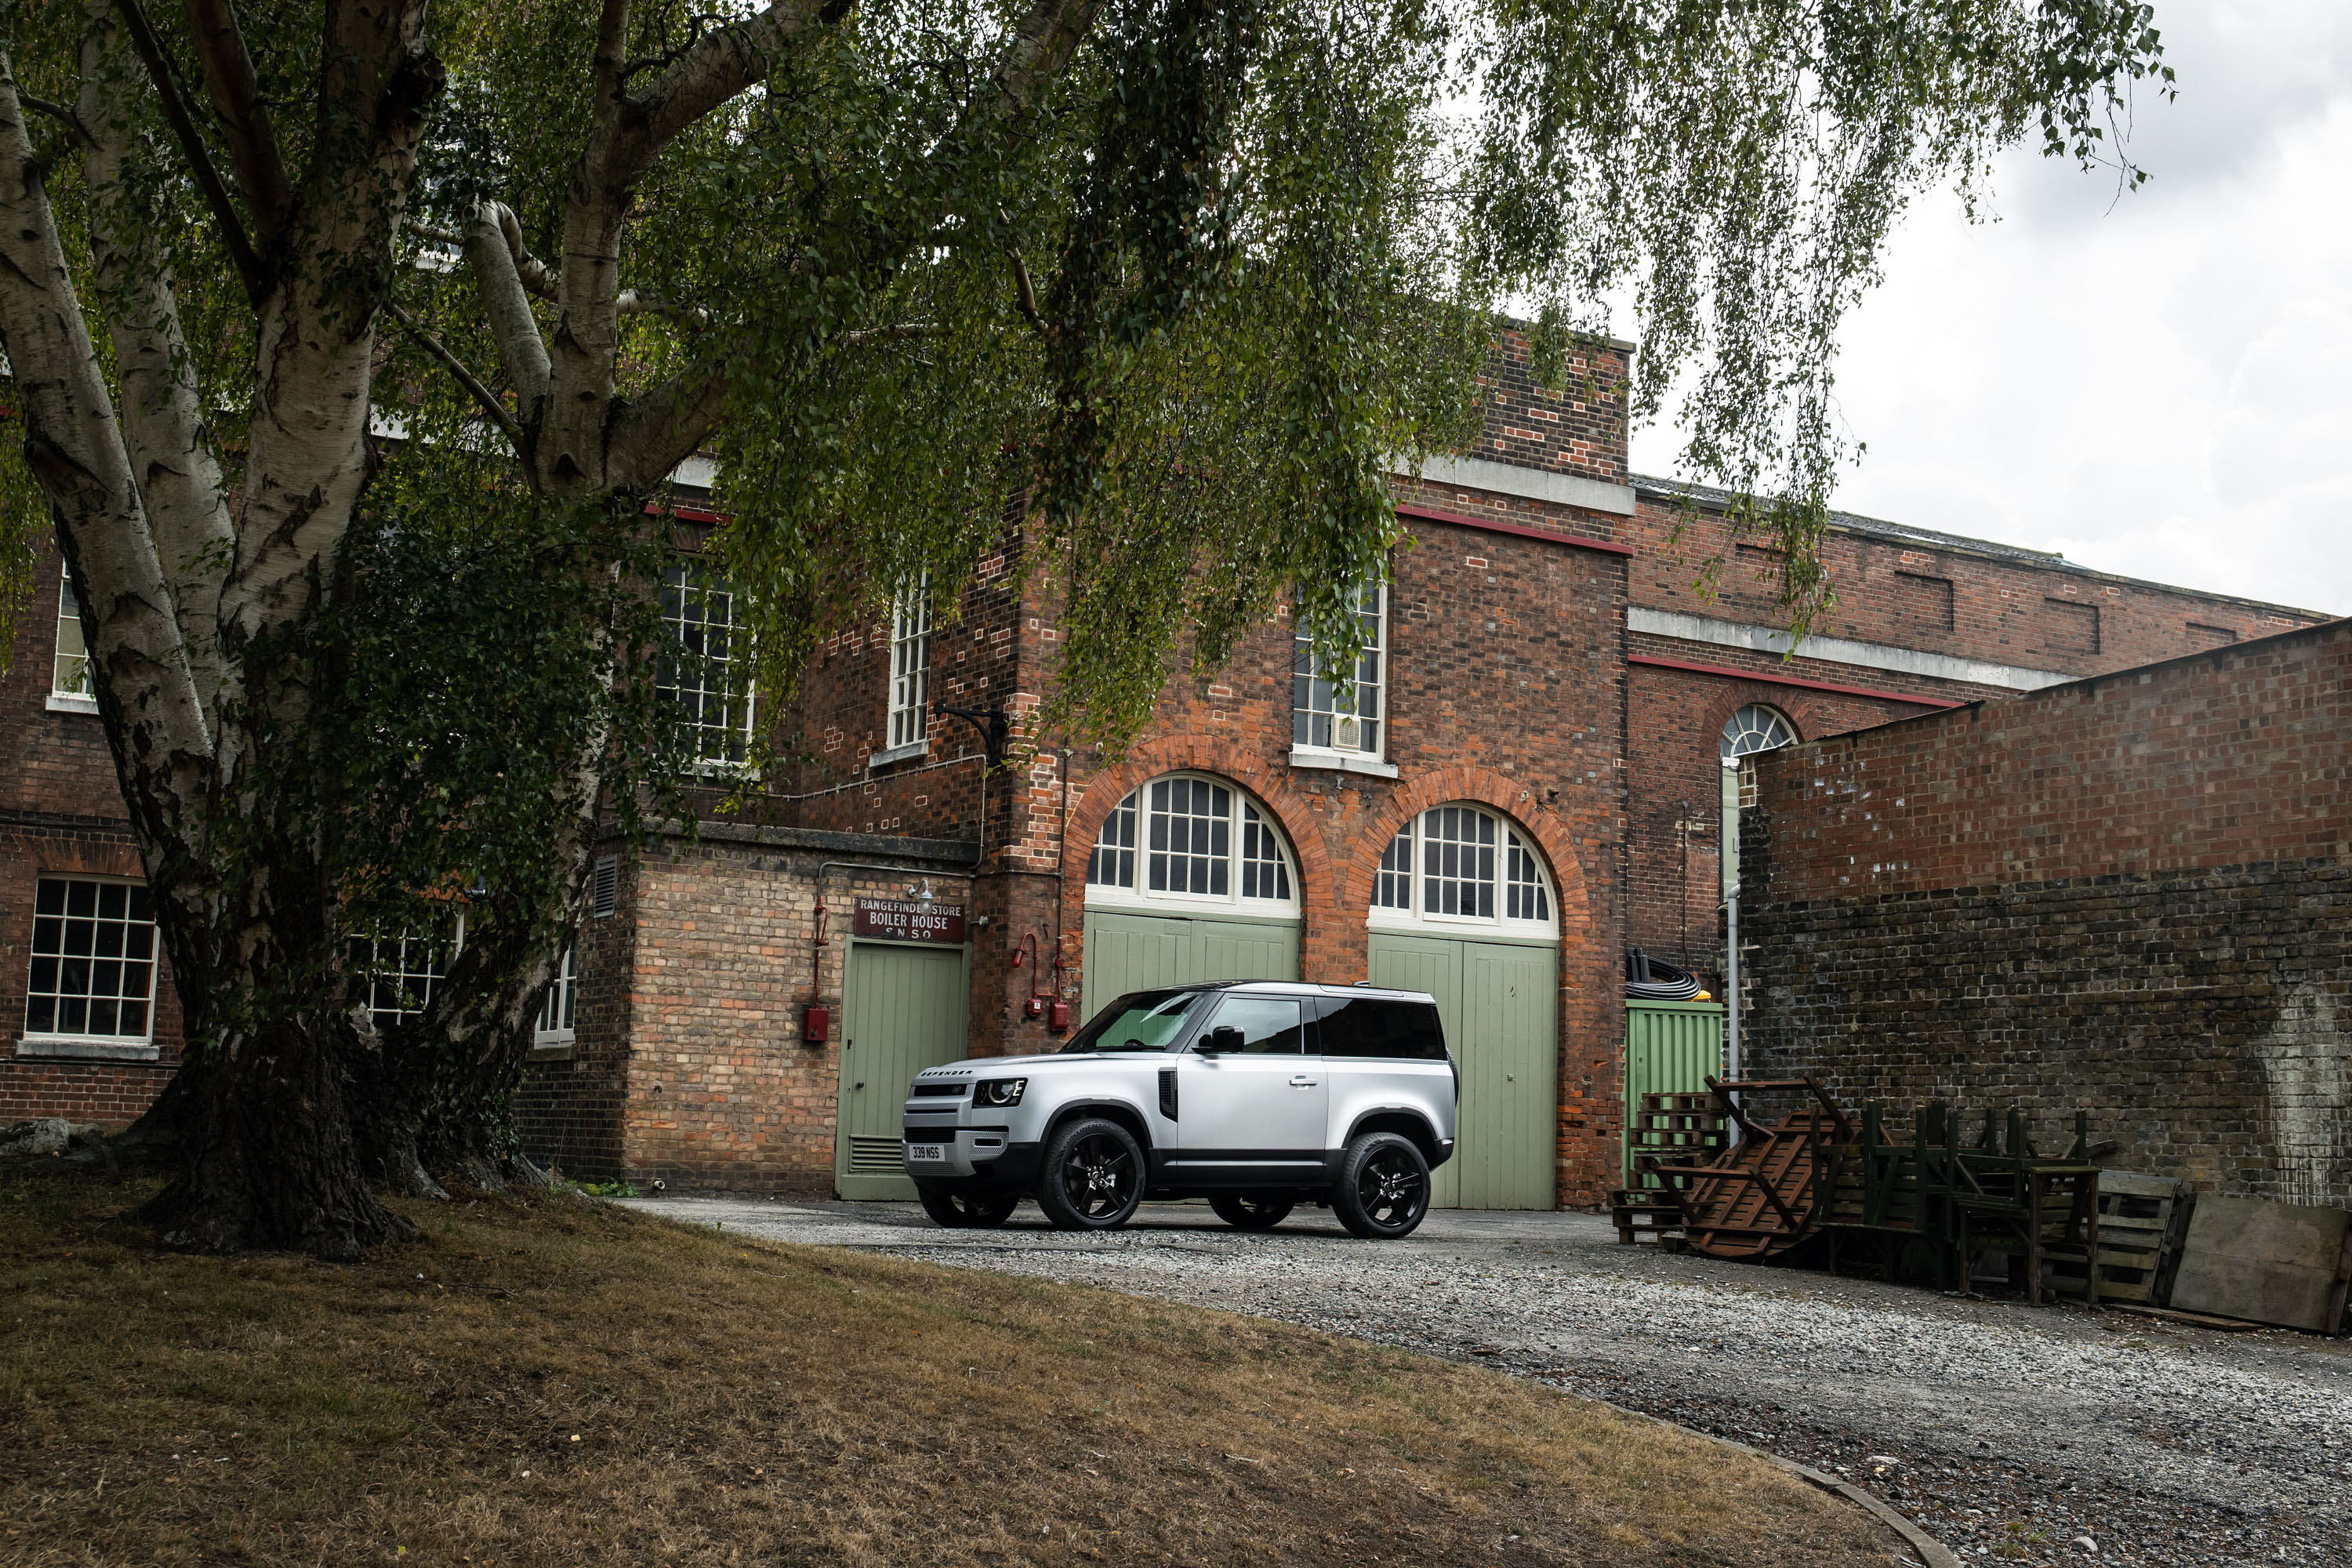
[910, 919]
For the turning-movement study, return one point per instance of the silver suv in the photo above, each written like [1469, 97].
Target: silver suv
[1253, 1094]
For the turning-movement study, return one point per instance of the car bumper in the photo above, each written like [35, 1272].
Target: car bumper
[975, 1160]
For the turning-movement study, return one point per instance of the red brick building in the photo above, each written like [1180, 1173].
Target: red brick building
[1522, 778]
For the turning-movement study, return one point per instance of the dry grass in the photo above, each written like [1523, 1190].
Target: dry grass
[565, 1383]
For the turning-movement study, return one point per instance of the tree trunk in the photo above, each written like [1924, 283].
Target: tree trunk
[268, 1155]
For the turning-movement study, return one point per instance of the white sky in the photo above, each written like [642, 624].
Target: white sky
[2159, 385]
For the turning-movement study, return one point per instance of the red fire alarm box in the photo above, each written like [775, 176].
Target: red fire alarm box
[1036, 1005]
[816, 1025]
[1061, 1016]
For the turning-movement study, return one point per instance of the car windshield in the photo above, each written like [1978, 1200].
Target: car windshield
[1139, 1021]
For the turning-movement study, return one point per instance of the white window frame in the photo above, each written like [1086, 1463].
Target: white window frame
[436, 949]
[906, 724]
[697, 578]
[1354, 740]
[1127, 835]
[73, 696]
[116, 1047]
[1510, 844]
[558, 1007]
[1726, 738]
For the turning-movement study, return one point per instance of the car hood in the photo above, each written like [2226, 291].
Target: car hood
[1005, 1066]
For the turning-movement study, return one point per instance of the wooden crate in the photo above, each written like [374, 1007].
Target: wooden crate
[2141, 1222]
[1654, 1211]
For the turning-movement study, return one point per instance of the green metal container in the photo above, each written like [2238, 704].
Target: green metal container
[1671, 1047]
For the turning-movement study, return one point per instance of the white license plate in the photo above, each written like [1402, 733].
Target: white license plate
[931, 1152]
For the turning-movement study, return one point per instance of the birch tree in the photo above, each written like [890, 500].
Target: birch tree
[348, 343]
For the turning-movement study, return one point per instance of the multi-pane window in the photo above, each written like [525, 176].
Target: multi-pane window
[1265, 873]
[1190, 828]
[401, 971]
[1459, 863]
[1112, 864]
[93, 974]
[708, 672]
[561, 1006]
[1340, 711]
[1754, 728]
[70, 675]
[910, 664]
[1190, 838]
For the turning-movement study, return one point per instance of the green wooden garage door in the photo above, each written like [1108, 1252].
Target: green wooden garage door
[903, 1010]
[1140, 953]
[1500, 1002]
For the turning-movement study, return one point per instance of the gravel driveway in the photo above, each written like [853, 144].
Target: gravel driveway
[2011, 1434]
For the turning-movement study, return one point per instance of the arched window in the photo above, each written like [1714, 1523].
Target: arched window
[1185, 839]
[1463, 866]
[1753, 729]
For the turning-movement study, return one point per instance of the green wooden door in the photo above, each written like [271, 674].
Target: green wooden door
[1141, 953]
[904, 1009]
[1671, 1047]
[1500, 1003]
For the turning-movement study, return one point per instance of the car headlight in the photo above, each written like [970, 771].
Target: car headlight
[999, 1090]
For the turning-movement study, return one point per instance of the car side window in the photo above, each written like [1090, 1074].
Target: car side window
[1270, 1026]
[1381, 1026]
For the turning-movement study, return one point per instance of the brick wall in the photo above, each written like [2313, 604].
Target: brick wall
[60, 812]
[1894, 588]
[2130, 894]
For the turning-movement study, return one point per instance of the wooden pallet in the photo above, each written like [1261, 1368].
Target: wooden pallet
[1768, 1192]
[1668, 1129]
[2140, 1225]
[1653, 1211]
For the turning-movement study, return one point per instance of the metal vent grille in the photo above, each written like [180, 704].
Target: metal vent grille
[877, 1157]
[1167, 1093]
[608, 885]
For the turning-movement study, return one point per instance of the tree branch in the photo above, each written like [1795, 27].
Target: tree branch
[59, 112]
[243, 116]
[1029, 296]
[492, 242]
[662, 430]
[456, 368]
[249, 266]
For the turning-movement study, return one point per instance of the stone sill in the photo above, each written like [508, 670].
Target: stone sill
[908, 753]
[71, 702]
[550, 1051]
[1341, 761]
[68, 1047]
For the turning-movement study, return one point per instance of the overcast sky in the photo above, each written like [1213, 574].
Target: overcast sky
[2159, 385]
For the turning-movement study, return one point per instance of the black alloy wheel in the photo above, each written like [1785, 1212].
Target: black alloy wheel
[956, 1212]
[1383, 1191]
[1252, 1211]
[1093, 1176]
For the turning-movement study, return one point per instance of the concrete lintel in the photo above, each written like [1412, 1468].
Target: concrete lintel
[951, 854]
[1839, 650]
[1529, 484]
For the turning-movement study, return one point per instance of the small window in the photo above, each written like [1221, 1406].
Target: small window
[1754, 728]
[1921, 602]
[93, 971]
[1342, 710]
[1462, 864]
[1269, 1026]
[1191, 840]
[2069, 626]
[708, 676]
[910, 664]
[70, 675]
[607, 892]
[561, 1006]
[1378, 1027]
[400, 971]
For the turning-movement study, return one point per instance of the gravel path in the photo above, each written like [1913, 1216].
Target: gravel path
[2011, 1434]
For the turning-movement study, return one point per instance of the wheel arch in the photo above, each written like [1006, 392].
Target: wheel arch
[1409, 1125]
[1126, 1115]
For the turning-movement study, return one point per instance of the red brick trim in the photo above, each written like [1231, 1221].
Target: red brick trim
[1500, 793]
[1487, 525]
[1729, 673]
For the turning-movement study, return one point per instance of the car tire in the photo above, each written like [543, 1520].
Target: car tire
[953, 1211]
[1383, 1189]
[1252, 1211]
[1092, 1176]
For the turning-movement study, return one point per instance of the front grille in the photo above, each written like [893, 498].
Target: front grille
[877, 1157]
[936, 1090]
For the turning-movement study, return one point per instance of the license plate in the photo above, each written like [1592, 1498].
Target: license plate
[932, 1152]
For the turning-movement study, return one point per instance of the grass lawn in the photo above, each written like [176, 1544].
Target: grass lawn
[561, 1383]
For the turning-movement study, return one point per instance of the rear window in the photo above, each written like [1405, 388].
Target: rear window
[1381, 1027]
[1139, 1021]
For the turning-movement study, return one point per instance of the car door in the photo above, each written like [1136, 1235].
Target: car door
[1256, 1113]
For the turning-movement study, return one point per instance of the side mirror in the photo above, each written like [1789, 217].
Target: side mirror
[1225, 1038]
